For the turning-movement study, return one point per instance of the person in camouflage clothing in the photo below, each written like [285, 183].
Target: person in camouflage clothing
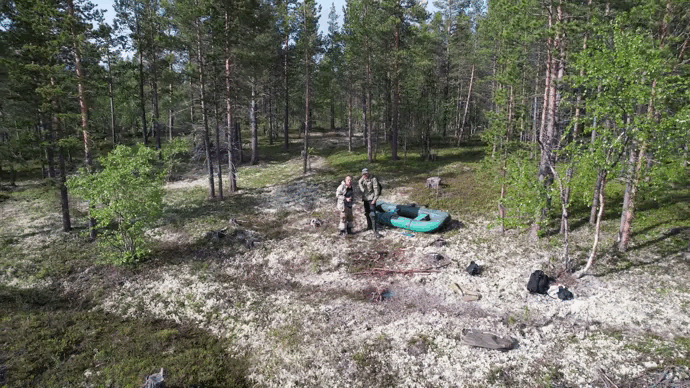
[345, 195]
[371, 190]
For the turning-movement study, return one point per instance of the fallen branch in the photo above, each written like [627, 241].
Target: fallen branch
[389, 271]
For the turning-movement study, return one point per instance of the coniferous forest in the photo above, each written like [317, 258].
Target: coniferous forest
[575, 114]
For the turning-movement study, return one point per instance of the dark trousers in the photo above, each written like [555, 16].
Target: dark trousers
[367, 213]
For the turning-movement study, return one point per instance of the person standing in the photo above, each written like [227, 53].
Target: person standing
[345, 195]
[371, 190]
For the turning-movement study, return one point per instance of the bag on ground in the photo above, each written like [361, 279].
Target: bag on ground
[564, 293]
[474, 269]
[538, 282]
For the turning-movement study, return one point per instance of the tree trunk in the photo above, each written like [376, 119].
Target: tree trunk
[156, 117]
[597, 227]
[396, 98]
[142, 100]
[82, 106]
[629, 212]
[238, 143]
[111, 97]
[307, 97]
[254, 125]
[204, 115]
[219, 157]
[467, 105]
[64, 198]
[229, 132]
[368, 123]
[50, 138]
[554, 73]
[566, 200]
[349, 120]
[565, 229]
[286, 134]
[171, 112]
[270, 116]
[595, 199]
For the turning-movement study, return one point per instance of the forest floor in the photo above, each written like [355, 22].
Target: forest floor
[266, 272]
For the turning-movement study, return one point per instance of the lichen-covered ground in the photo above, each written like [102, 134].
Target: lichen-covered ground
[307, 308]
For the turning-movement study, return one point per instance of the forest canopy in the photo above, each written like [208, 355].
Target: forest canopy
[567, 96]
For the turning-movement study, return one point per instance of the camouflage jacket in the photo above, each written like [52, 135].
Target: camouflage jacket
[369, 188]
[340, 195]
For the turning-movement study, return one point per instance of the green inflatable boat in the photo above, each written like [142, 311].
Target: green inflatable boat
[410, 217]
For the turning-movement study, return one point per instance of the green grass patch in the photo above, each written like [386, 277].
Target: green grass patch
[668, 353]
[46, 342]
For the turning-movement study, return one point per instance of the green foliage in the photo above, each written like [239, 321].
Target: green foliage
[524, 195]
[125, 198]
[174, 153]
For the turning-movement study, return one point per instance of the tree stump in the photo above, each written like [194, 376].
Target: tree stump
[433, 182]
[155, 380]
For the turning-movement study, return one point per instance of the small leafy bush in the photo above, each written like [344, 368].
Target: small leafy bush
[125, 199]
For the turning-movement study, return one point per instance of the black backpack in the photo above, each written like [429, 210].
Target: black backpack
[538, 282]
[474, 269]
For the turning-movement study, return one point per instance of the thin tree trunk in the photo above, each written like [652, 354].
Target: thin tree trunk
[229, 129]
[154, 97]
[396, 97]
[142, 100]
[563, 190]
[597, 228]
[219, 157]
[171, 113]
[82, 106]
[467, 105]
[270, 116]
[368, 124]
[238, 143]
[595, 199]
[286, 134]
[307, 97]
[111, 97]
[64, 198]
[349, 120]
[629, 212]
[253, 125]
[49, 136]
[204, 115]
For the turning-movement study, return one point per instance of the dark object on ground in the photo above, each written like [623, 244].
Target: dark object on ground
[474, 269]
[488, 340]
[433, 182]
[436, 256]
[538, 282]
[315, 222]
[439, 242]
[155, 380]
[216, 234]
[452, 225]
[564, 293]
